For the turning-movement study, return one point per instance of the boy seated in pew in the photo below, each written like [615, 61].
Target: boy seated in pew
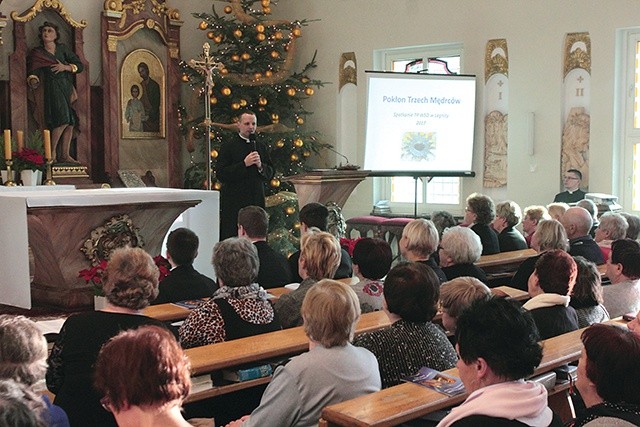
[498, 348]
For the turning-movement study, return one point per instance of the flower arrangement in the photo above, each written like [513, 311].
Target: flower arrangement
[348, 244]
[29, 159]
[95, 274]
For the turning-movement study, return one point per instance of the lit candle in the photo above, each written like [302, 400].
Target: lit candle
[7, 144]
[20, 140]
[47, 143]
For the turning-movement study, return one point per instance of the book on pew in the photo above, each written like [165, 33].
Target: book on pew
[247, 373]
[190, 304]
[201, 383]
[436, 380]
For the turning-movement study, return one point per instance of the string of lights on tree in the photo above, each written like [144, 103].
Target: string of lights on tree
[257, 58]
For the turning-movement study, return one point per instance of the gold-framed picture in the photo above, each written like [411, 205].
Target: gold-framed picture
[142, 96]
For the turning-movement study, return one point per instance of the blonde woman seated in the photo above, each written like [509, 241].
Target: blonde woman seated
[131, 284]
[557, 209]
[239, 308]
[23, 359]
[458, 294]
[331, 371]
[549, 235]
[320, 255]
[418, 243]
[459, 249]
[143, 377]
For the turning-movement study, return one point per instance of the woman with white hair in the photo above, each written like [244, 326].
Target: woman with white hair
[459, 249]
[613, 226]
[419, 242]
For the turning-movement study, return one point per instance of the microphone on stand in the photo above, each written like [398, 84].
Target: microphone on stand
[347, 166]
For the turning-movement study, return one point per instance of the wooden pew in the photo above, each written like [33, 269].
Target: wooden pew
[405, 402]
[288, 342]
[505, 259]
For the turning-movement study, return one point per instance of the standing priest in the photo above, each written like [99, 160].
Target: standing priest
[243, 166]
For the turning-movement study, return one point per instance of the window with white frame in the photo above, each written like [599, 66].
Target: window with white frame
[441, 193]
[627, 116]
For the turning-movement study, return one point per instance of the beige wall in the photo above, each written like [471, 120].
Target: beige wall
[535, 33]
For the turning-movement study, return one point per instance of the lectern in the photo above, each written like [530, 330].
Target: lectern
[326, 185]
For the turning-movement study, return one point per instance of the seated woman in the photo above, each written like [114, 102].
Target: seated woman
[498, 348]
[508, 215]
[239, 308]
[549, 235]
[549, 287]
[131, 283]
[586, 296]
[418, 243]
[459, 249]
[371, 262]
[608, 374]
[532, 215]
[20, 406]
[411, 292]
[478, 214]
[331, 371]
[557, 209]
[23, 359]
[143, 376]
[458, 294]
[320, 255]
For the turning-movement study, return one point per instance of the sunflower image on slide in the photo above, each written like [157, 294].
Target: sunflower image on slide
[418, 146]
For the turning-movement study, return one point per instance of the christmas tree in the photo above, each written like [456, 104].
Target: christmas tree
[255, 57]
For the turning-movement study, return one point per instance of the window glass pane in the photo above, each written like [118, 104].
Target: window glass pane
[636, 89]
[444, 190]
[635, 190]
[403, 189]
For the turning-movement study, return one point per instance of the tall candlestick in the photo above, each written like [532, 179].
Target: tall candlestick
[20, 140]
[7, 144]
[47, 144]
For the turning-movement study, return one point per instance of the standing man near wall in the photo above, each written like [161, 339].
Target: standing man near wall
[243, 166]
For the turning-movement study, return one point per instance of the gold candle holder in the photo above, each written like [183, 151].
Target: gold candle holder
[10, 182]
[49, 174]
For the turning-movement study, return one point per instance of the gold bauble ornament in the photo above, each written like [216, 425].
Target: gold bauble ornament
[306, 153]
[217, 39]
[296, 225]
[275, 118]
[280, 143]
[294, 157]
[296, 32]
[265, 3]
[262, 100]
[278, 35]
[213, 100]
[203, 25]
[235, 58]
[290, 210]
[243, 102]
[211, 35]
[237, 33]
[185, 78]
[266, 10]
[268, 73]
[291, 92]
[224, 71]
[298, 142]
[275, 183]
[300, 121]
[226, 91]
[228, 9]
[260, 28]
[309, 91]
[245, 56]
[235, 106]
[304, 80]
[257, 76]
[214, 154]
[217, 186]
[275, 54]
[261, 37]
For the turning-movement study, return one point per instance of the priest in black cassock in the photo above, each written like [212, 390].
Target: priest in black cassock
[243, 166]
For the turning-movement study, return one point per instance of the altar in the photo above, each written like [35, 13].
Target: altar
[46, 235]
